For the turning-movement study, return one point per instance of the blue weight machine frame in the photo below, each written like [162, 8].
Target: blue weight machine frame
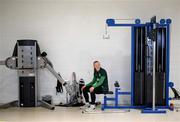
[163, 23]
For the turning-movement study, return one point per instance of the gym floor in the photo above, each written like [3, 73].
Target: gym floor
[63, 114]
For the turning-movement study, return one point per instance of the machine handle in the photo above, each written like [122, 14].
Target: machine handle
[60, 79]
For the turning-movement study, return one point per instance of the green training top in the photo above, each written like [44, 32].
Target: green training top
[100, 80]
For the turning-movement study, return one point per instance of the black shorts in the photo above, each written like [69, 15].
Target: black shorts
[98, 90]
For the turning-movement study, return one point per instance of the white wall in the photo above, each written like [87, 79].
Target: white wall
[71, 32]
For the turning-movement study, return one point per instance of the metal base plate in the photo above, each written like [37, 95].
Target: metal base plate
[15, 104]
[151, 111]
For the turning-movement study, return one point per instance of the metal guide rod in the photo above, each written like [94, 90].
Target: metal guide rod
[154, 74]
[141, 50]
[137, 51]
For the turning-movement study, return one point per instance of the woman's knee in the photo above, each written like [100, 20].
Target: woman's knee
[85, 90]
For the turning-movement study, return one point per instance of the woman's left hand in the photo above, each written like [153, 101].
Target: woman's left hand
[91, 89]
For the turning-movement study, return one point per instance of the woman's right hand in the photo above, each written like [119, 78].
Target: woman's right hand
[83, 87]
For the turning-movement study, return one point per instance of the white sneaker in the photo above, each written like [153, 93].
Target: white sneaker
[87, 105]
[91, 108]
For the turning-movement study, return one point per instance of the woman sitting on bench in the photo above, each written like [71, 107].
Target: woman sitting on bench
[98, 85]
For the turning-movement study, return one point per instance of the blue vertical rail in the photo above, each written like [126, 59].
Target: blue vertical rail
[168, 21]
[132, 65]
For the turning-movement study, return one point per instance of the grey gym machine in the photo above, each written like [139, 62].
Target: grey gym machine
[27, 59]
